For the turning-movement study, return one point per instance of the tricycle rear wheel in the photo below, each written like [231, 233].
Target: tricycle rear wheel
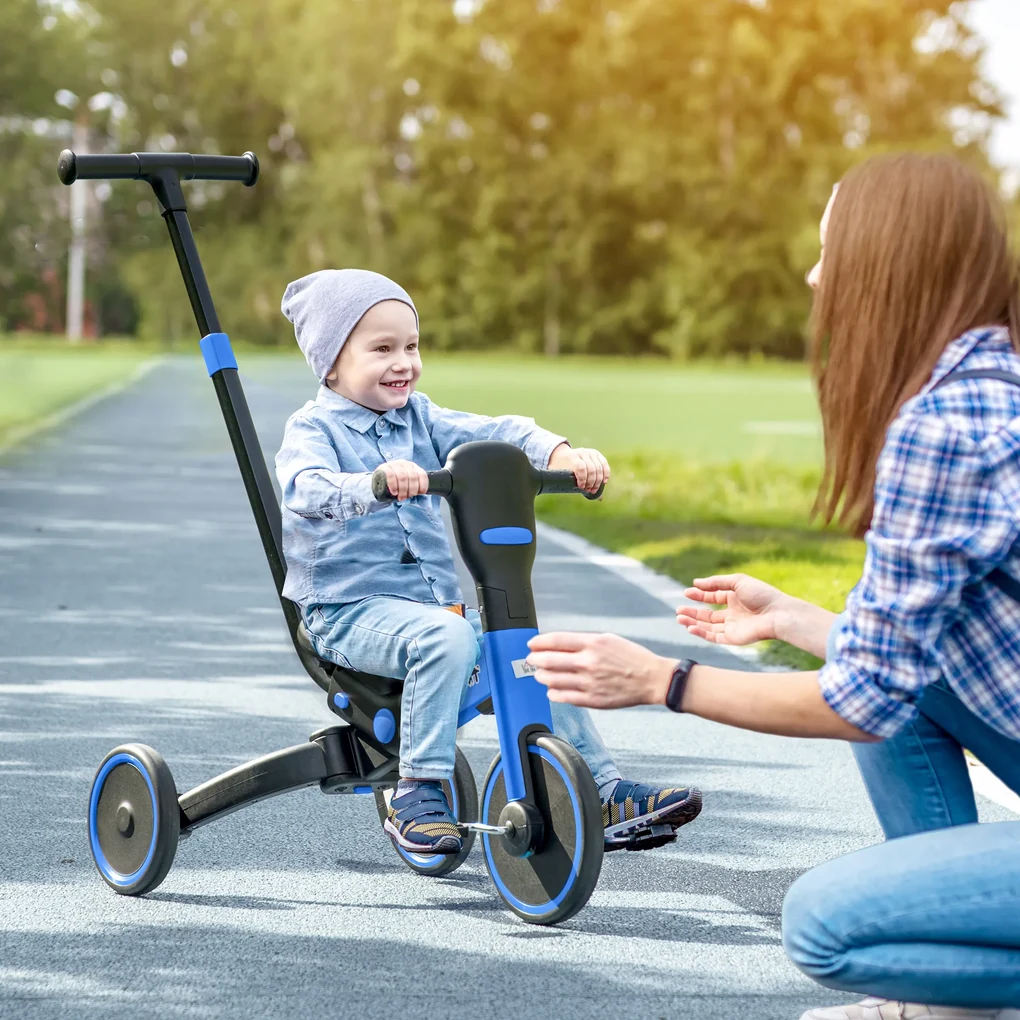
[462, 795]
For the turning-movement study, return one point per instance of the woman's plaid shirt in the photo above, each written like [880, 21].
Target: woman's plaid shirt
[947, 513]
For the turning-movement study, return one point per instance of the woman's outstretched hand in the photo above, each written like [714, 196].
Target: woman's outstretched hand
[750, 613]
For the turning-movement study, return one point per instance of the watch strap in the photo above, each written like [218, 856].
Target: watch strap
[678, 683]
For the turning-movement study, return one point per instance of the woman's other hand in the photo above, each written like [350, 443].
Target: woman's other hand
[751, 609]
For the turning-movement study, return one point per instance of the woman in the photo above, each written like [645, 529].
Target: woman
[915, 283]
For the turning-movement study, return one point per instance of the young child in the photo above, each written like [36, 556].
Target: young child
[373, 579]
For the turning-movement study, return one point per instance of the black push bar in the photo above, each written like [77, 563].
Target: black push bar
[163, 172]
[441, 484]
[73, 167]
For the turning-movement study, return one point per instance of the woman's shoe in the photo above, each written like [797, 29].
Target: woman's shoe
[886, 1009]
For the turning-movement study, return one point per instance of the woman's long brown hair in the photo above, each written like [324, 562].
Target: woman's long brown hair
[916, 253]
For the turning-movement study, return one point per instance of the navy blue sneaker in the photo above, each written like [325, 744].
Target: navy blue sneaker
[421, 822]
[638, 816]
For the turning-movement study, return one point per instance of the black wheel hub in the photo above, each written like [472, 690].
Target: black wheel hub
[125, 820]
[526, 828]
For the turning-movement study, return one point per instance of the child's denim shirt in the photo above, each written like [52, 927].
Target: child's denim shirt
[340, 543]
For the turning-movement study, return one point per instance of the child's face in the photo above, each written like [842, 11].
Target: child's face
[379, 365]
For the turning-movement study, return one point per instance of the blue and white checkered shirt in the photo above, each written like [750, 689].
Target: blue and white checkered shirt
[947, 513]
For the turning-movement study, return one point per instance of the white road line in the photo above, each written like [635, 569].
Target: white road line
[19, 435]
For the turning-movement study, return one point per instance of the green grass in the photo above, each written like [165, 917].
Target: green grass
[38, 379]
[715, 413]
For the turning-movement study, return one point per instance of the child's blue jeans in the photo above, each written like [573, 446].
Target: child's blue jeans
[435, 652]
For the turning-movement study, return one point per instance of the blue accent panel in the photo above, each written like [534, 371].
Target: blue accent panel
[362, 789]
[517, 701]
[507, 536]
[473, 696]
[341, 700]
[384, 726]
[535, 909]
[217, 352]
[107, 869]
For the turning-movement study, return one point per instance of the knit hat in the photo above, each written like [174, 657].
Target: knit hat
[327, 305]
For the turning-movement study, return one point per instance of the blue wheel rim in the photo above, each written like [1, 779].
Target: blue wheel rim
[106, 869]
[535, 909]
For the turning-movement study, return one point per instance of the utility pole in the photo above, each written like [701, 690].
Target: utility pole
[76, 259]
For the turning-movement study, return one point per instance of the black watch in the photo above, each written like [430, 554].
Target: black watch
[678, 683]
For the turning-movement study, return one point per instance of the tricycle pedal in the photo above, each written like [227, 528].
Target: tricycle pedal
[644, 839]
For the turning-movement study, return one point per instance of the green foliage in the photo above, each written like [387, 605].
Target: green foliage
[581, 176]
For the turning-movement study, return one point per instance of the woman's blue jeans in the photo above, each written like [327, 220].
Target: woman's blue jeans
[931, 918]
[933, 915]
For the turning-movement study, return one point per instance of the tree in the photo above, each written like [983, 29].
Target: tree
[39, 55]
[602, 176]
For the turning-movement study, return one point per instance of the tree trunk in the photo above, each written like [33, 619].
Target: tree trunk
[551, 326]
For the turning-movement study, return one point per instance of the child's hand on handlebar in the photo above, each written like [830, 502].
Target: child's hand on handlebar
[405, 479]
[590, 468]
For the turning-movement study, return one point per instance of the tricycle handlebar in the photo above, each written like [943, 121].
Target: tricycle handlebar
[441, 484]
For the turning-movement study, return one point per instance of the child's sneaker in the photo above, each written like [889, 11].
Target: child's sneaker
[886, 1009]
[421, 822]
[638, 817]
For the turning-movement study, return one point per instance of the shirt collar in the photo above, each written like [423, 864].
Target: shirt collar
[985, 338]
[356, 416]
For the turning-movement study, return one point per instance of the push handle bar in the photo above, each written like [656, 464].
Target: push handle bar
[441, 484]
[148, 165]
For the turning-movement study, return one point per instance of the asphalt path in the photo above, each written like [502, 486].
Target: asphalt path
[136, 605]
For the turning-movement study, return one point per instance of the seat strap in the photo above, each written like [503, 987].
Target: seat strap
[1006, 583]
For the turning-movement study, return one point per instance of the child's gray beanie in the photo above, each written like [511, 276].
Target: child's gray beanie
[327, 305]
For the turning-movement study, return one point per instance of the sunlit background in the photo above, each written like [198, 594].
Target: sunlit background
[604, 210]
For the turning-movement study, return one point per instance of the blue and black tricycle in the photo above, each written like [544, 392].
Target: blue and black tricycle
[539, 815]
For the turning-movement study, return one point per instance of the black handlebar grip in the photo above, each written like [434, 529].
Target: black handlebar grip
[380, 487]
[440, 484]
[145, 165]
[72, 167]
[563, 483]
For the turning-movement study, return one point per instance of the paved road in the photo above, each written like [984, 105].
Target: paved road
[136, 605]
